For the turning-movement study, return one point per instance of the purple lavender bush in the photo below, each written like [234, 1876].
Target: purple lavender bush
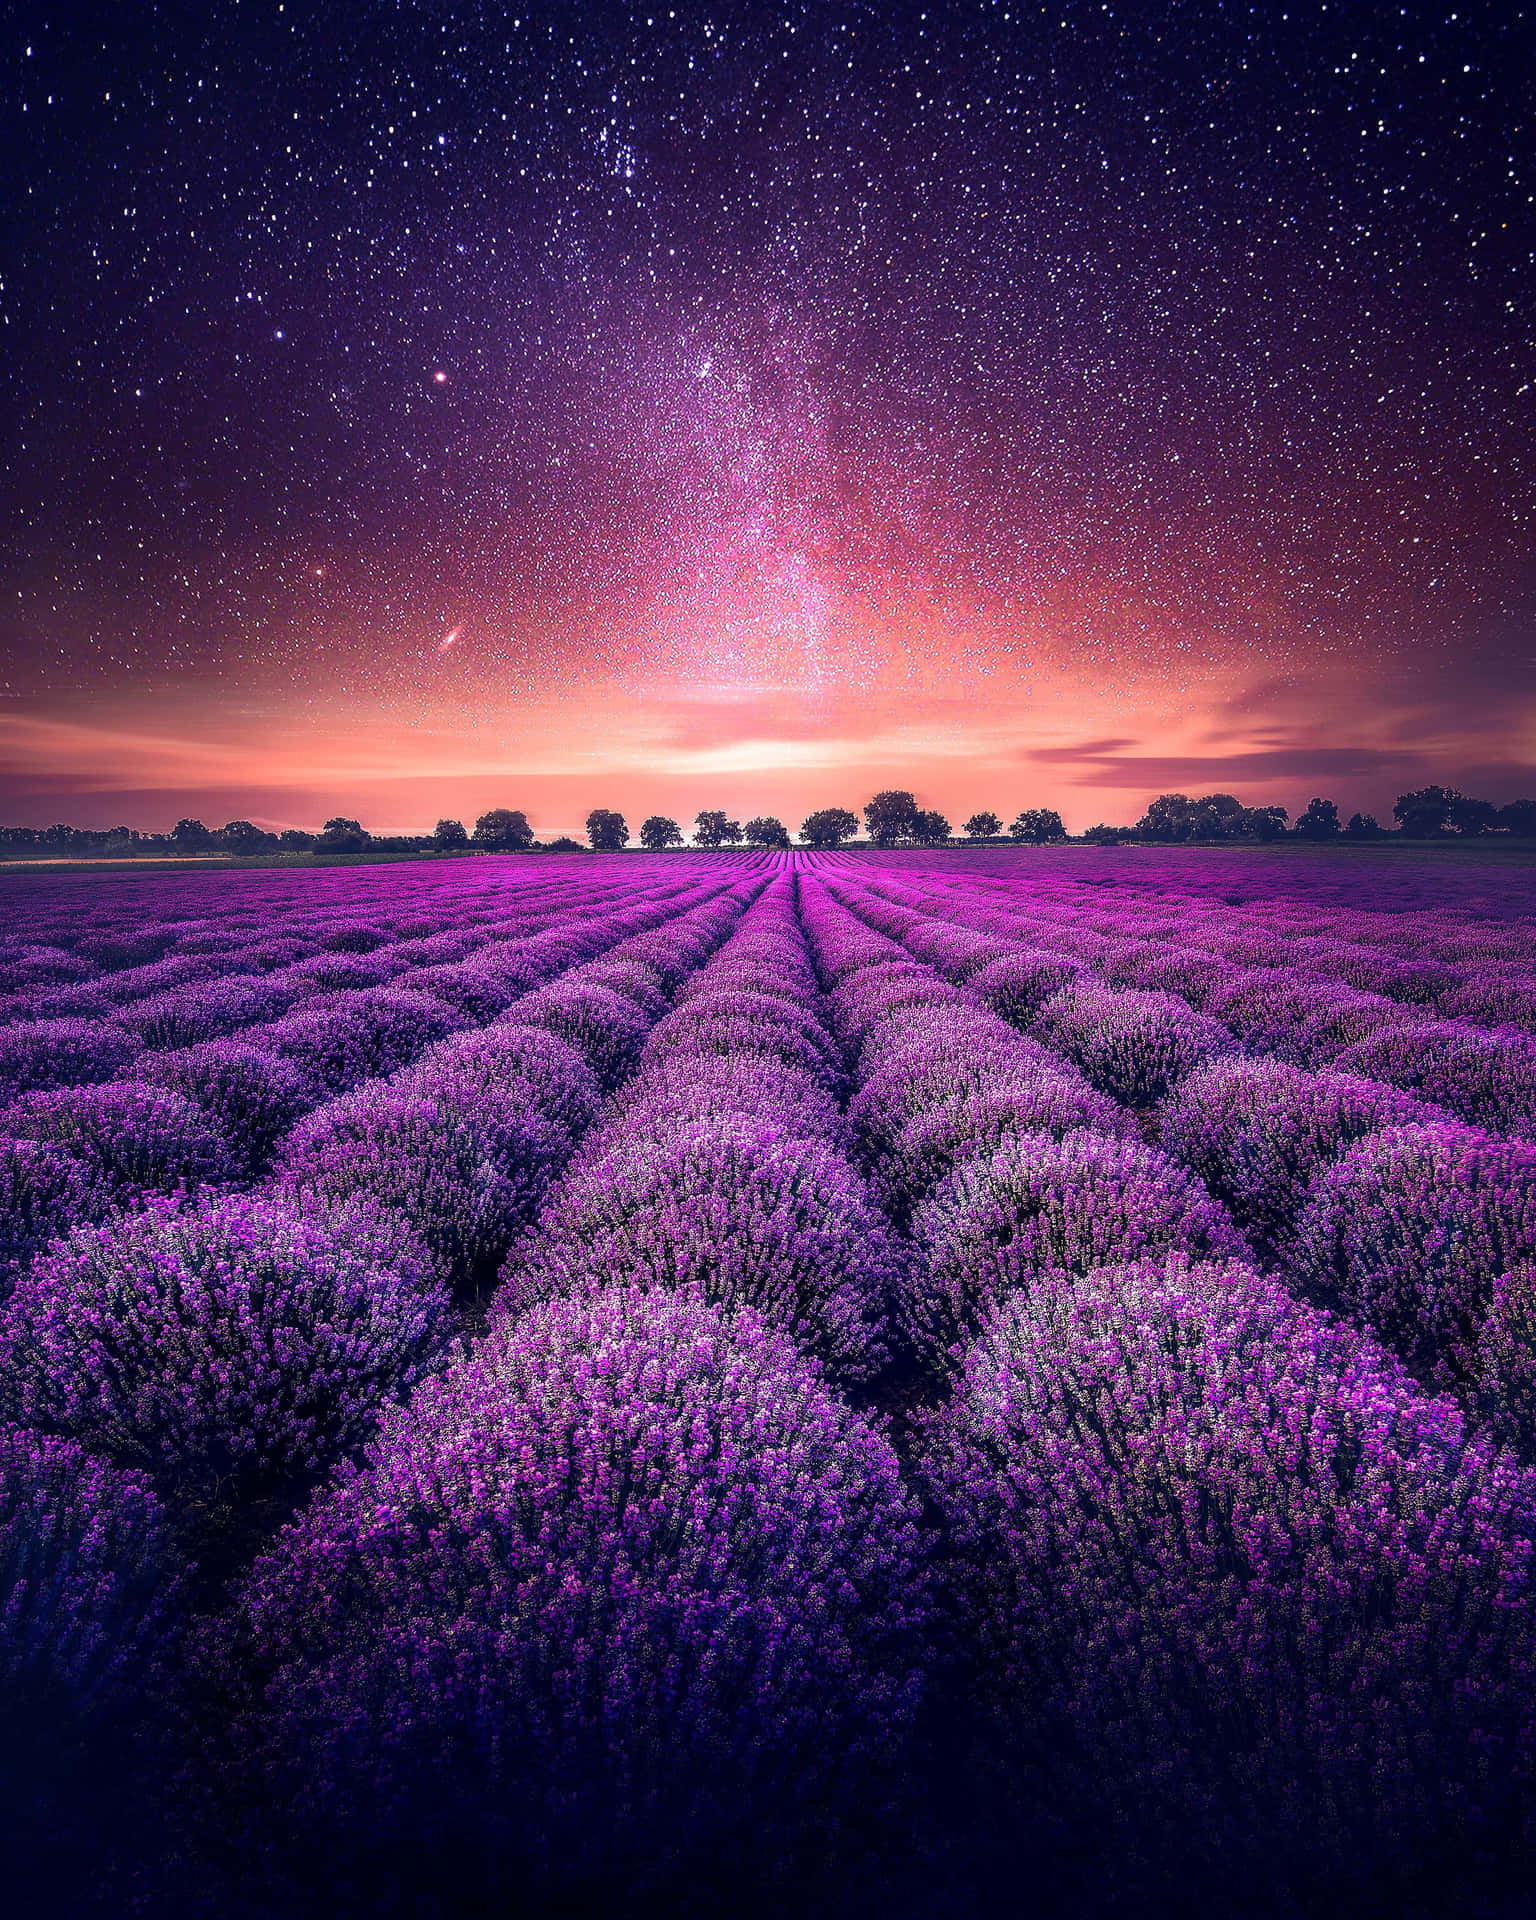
[606, 1028]
[84, 1595]
[503, 1076]
[230, 1348]
[1257, 1131]
[331, 1046]
[734, 1021]
[134, 1139]
[1133, 1046]
[44, 1191]
[625, 1588]
[703, 1087]
[254, 1096]
[1036, 1207]
[1486, 1078]
[38, 1055]
[977, 1119]
[1250, 1592]
[418, 1155]
[1411, 1228]
[1017, 985]
[750, 1213]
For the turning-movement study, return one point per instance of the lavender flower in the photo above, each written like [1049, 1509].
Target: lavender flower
[1257, 1131]
[749, 1213]
[132, 1139]
[1411, 1228]
[229, 1347]
[625, 1584]
[1250, 1587]
[1036, 1207]
[1132, 1046]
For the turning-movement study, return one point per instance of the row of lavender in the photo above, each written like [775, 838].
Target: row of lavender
[188, 1367]
[1216, 1556]
[177, 1087]
[1362, 1191]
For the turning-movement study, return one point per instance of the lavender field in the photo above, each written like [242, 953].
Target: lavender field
[806, 1383]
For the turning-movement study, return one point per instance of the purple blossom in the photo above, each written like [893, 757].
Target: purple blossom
[625, 1584]
[749, 1213]
[132, 1139]
[44, 1191]
[1035, 1207]
[230, 1347]
[42, 1054]
[1245, 1584]
[1257, 1131]
[253, 1096]
[85, 1599]
[605, 1027]
[421, 1156]
[1411, 1228]
[1132, 1046]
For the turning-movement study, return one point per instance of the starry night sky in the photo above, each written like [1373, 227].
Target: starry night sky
[417, 407]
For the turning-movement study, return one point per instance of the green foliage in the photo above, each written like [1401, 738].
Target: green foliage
[1426, 811]
[828, 827]
[503, 831]
[1319, 822]
[715, 830]
[890, 817]
[606, 830]
[340, 835]
[242, 836]
[658, 832]
[1037, 825]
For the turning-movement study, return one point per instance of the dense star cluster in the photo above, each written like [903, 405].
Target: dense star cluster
[825, 354]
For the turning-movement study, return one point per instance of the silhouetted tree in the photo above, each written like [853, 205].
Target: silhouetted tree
[983, 826]
[296, 840]
[188, 834]
[565, 844]
[890, 817]
[1519, 817]
[658, 832]
[1319, 822]
[715, 830]
[1426, 811]
[449, 833]
[243, 836]
[1036, 825]
[1176, 817]
[341, 835]
[606, 830]
[1473, 817]
[930, 828]
[765, 831]
[503, 830]
[1262, 823]
[1105, 836]
[829, 827]
[1362, 826]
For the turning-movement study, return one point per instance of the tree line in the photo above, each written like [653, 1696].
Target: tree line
[891, 819]
[1426, 813]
